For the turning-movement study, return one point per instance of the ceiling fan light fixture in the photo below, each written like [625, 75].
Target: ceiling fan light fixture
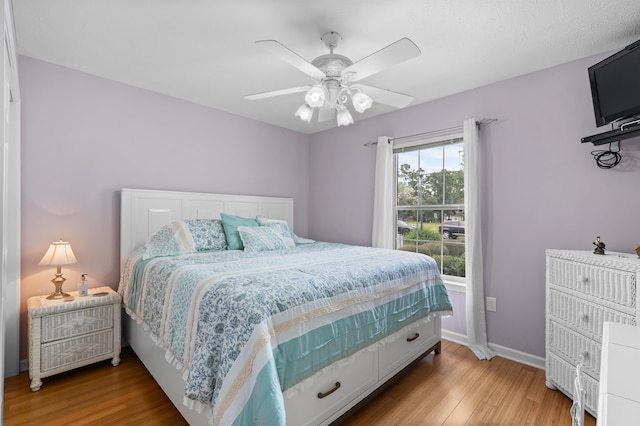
[315, 96]
[304, 113]
[344, 116]
[361, 101]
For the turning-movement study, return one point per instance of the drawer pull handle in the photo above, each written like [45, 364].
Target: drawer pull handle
[582, 279]
[329, 392]
[584, 317]
[411, 339]
[583, 356]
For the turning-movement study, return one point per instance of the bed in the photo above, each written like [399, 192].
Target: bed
[267, 334]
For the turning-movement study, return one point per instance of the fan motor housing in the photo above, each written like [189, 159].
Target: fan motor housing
[332, 64]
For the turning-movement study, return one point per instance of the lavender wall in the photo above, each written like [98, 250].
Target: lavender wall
[84, 138]
[541, 187]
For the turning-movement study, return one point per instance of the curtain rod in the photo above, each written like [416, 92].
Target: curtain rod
[483, 122]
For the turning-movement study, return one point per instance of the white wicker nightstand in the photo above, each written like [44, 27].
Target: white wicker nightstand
[583, 291]
[67, 335]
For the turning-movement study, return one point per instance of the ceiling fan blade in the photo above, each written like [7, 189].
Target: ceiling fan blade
[277, 93]
[326, 113]
[387, 97]
[400, 51]
[291, 57]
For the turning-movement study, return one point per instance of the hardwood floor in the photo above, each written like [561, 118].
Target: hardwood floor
[453, 388]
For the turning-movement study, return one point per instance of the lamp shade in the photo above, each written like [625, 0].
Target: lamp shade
[59, 253]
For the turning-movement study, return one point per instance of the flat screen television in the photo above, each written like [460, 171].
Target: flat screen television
[615, 85]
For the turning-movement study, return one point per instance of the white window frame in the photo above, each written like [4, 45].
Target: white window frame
[452, 283]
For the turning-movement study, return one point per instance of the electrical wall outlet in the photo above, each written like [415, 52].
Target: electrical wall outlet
[491, 304]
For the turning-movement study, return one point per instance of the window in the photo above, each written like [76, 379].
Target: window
[430, 201]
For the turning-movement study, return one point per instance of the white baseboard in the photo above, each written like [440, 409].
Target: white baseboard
[508, 353]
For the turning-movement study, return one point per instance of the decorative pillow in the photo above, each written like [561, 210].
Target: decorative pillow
[170, 240]
[283, 230]
[287, 232]
[230, 224]
[208, 234]
[261, 238]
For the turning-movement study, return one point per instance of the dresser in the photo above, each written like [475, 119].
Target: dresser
[64, 335]
[583, 290]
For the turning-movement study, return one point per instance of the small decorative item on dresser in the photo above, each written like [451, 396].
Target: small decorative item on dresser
[67, 335]
[637, 249]
[83, 287]
[600, 246]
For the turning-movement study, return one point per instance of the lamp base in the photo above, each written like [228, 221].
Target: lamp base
[58, 281]
[58, 295]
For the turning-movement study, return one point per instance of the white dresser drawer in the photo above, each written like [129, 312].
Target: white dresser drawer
[564, 375]
[76, 323]
[347, 382]
[65, 353]
[584, 315]
[575, 348]
[395, 355]
[602, 283]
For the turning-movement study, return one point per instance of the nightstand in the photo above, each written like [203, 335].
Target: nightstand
[67, 335]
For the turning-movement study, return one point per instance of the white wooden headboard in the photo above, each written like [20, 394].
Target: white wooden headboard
[143, 211]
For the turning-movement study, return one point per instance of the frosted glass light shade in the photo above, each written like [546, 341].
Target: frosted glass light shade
[304, 113]
[344, 117]
[315, 97]
[361, 101]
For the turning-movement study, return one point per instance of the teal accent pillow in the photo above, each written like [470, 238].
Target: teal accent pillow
[170, 240]
[208, 234]
[261, 238]
[230, 224]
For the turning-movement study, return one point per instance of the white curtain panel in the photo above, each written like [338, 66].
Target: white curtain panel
[382, 234]
[476, 314]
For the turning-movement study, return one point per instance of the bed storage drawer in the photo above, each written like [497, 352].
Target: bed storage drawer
[332, 389]
[396, 354]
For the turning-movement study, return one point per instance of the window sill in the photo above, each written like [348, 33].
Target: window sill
[457, 286]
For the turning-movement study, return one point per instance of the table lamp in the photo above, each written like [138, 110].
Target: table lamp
[59, 254]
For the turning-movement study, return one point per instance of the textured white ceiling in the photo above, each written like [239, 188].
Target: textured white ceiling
[203, 51]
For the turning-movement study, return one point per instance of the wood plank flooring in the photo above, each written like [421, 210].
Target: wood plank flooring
[453, 388]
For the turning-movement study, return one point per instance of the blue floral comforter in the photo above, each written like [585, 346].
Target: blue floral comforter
[244, 327]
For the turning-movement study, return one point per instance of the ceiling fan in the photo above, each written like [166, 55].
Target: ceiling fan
[334, 77]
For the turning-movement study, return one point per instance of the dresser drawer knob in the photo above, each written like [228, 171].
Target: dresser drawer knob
[584, 317]
[582, 279]
[583, 356]
[411, 339]
[330, 391]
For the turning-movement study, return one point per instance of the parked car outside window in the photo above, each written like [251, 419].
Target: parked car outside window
[451, 228]
[404, 228]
